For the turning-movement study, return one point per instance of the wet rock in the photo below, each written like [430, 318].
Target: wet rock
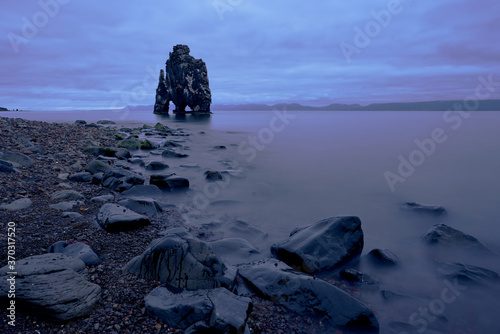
[465, 273]
[425, 208]
[235, 250]
[96, 166]
[446, 236]
[137, 161]
[220, 147]
[307, 295]
[182, 261]
[16, 158]
[150, 191]
[103, 198]
[383, 257]
[161, 128]
[120, 179]
[66, 195]
[216, 311]
[169, 182]
[6, 167]
[324, 245]
[156, 165]
[51, 286]
[17, 205]
[169, 153]
[145, 206]
[191, 165]
[80, 122]
[97, 178]
[116, 218]
[78, 250]
[171, 144]
[240, 229]
[213, 176]
[391, 296]
[81, 177]
[184, 82]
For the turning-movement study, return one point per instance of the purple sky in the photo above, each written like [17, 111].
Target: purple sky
[106, 54]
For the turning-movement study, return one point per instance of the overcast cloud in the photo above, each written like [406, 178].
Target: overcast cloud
[103, 54]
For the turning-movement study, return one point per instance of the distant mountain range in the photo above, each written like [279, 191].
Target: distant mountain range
[483, 105]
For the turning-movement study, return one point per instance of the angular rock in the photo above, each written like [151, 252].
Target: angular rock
[142, 205]
[19, 204]
[66, 195]
[78, 250]
[425, 208]
[50, 285]
[308, 295]
[184, 82]
[217, 310]
[17, 158]
[81, 177]
[383, 257]
[183, 262]
[235, 250]
[96, 166]
[6, 167]
[324, 245]
[156, 165]
[116, 218]
[169, 182]
[443, 235]
[120, 179]
[149, 145]
[466, 273]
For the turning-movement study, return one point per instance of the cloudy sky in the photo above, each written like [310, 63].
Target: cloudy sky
[58, 54]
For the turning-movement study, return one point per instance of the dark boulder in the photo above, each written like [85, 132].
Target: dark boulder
[466, 273]
[142, 205]
[79, 250]
[213, 176]
[116, 218]
[96, 166]
[156, 165]
[184, 262]
[324, 245]
[184, 82]
[383, 257]
[6, 167]
[308, 295]
[120, 179]
[169, 182]
[445, 236]
[81, 177]
[51, 286]
[170, 153]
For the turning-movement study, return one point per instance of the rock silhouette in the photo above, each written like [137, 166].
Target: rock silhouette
[184, 82]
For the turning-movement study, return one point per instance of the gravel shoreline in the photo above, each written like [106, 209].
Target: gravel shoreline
[121, 306]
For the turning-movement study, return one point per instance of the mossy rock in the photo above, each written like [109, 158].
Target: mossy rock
[130, 144]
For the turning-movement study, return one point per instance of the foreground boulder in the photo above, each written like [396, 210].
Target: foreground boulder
[142, 205]
[324, 245]
[307, 295]
[182, 261]
[214, 311]
[52, 286]
[444, 236]
[116, 218]
[184, 82]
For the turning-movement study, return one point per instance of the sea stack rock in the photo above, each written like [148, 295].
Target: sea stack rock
[184, 82]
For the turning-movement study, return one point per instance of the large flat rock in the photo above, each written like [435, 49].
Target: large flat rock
[307, 295]
[324, 245]
[51, 286]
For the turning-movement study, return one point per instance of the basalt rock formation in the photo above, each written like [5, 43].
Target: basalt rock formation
[184, 82]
